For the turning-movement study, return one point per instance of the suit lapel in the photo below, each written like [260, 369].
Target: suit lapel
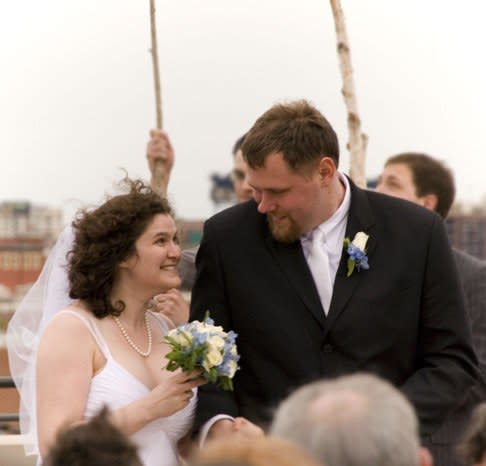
[294, 266]
[360, 218]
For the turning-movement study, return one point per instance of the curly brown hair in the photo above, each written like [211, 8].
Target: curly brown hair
[106, 236]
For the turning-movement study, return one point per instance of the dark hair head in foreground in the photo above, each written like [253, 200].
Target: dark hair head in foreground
[94, 443]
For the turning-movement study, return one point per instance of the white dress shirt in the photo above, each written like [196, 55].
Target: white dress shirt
[334, 229]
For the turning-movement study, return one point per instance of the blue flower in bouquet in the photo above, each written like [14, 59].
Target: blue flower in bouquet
[356, 251]
[205, 346]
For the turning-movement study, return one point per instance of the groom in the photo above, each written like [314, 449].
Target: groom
[274, 270]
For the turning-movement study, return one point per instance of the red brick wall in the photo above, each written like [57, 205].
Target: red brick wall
[21, 260]
[14, 278]
[9, 399]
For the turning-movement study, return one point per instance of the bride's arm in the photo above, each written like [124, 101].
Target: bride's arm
[64, 372]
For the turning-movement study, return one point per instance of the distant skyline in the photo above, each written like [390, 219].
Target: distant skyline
[76, 101]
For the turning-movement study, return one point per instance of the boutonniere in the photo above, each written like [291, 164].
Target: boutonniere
[356, 249]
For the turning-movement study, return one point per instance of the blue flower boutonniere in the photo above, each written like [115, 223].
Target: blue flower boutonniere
[356, 249]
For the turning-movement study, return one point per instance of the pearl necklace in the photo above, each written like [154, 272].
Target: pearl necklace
[130, 341]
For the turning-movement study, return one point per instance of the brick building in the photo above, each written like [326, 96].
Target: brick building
[26, 233]
[21, 260]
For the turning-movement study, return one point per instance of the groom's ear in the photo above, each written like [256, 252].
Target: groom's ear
[326, 169]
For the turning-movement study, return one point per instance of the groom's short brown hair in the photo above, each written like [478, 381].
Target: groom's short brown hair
[297, 130]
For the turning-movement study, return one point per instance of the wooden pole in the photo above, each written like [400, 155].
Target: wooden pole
[159, 164]
[358, 141]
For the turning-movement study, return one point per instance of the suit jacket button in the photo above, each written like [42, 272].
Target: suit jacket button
[327, 348]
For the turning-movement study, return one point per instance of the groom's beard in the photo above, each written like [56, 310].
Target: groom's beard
[284, 229]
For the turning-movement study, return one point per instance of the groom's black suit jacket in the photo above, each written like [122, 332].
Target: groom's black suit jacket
[402, 319]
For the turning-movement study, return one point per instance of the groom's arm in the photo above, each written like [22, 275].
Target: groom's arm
[208, 294]
[446, 363]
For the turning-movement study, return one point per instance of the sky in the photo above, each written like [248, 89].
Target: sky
[77, 98]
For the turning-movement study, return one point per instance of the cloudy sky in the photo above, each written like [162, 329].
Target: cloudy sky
[76, 94]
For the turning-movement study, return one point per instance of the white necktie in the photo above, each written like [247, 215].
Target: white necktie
[318, 261]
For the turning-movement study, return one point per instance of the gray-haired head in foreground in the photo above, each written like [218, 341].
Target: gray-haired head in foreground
[472, 448]
[355, 420]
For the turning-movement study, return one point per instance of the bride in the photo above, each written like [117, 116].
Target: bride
[105, 348]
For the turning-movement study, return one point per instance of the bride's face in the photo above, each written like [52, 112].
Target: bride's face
[157, 253]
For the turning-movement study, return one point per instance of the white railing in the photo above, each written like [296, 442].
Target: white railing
[12, 452]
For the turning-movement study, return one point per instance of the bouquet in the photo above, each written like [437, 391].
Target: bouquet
[202, 345]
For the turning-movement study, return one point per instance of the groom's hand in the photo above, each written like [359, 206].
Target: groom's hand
[239, 427]
[220, 429]
[246, 428]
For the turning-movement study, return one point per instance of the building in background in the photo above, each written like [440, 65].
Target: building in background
[24, 219]
[27, 231]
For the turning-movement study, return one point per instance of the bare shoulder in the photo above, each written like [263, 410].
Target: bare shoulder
[67, 351]
[68, 328]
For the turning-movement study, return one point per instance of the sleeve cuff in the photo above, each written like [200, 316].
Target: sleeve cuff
[208, 424]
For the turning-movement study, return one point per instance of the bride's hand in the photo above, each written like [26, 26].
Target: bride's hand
[173, 305]
[173, 393]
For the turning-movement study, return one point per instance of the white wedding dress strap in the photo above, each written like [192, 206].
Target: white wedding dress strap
[93, 329]
[162, 322]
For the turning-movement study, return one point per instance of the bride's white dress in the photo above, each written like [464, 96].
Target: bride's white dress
[115, 387]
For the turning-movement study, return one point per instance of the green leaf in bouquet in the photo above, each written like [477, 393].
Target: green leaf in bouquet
[226, 383]
[173, 355]
[188, 339]
[191, 361]
[172, 342]
[172, 366]
[212, 375]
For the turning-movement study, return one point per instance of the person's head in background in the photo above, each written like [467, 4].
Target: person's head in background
[472, 448]
[264, 451]
[242, 189]
[419, 178]
[353, 420]
[94, 443]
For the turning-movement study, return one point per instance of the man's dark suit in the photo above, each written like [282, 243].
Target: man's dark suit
[472, 275]
[402, 319]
